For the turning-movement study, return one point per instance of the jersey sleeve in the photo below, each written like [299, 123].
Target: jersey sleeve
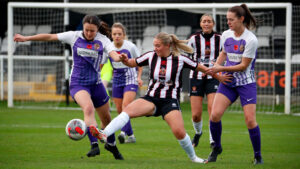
[66, 37]
[250, 48]
[192, 44]
[223, 38]
[143, 60]
[107, 45]
[135, 51]
[189, 63]
[104, 58]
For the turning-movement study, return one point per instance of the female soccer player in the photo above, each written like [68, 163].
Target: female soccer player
[206, 45]
[125, 79]
[239, 49]
[166, 65]
[86, 87]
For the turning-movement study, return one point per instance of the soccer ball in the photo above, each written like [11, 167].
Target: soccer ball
[76, 129]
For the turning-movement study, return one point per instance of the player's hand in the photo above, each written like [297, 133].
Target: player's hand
[225, 78]
[140, 82]
[19, 38]
[124, 58]
[215, 69]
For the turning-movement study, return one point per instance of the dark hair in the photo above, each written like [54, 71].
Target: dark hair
[243, 10]
[103, 27]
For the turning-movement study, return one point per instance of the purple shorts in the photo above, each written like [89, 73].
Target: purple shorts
[118, 92]
[247, 93]
[97, 92]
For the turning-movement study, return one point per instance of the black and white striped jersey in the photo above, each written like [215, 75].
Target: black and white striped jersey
[165, 73]
[206, 50]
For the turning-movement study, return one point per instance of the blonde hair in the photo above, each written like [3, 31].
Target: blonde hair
[121, 26]
[209, 15]
[176, 45]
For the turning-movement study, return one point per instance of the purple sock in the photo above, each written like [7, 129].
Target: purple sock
[93, 139]
[255, 140]
[111, 139]
[216, 131]
[127, 129]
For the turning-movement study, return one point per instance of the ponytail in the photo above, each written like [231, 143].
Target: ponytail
[105, 29]
[178, 45]
[249, 20]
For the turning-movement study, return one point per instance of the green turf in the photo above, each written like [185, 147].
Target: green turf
[36, 139]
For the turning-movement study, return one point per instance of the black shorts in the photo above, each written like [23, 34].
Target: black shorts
[203, 86]
[163, 106]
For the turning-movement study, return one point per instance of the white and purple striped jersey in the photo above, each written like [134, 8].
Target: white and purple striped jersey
[238, 47]
[165, 73]
[87, 56]
[122, 74]
[206, 51]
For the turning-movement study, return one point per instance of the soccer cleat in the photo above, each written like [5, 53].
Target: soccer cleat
[93, 152]
[121, 138]
[196, 139]
[214, 154]
[114, 150]
[131, 139]
[98, 133]
[258, 161]
[199, 160]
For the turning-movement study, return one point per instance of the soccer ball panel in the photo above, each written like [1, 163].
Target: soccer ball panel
[76, 129]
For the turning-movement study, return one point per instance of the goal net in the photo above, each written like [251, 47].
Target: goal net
[38, 70]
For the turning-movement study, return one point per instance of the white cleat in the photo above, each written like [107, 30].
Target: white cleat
[131, 139]
[199, 160]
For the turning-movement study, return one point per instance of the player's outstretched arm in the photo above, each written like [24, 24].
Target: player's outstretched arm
[130, 62]
[38, 37]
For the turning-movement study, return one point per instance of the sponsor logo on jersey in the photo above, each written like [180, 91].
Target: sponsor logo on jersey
[174, 105]
[118, 65]
[87, 52]
[233, 57]
[194, 88]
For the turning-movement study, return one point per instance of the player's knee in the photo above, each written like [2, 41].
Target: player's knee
[251, 122]
[196, 117]
[88, 110]
[214, 117]
[179, 133]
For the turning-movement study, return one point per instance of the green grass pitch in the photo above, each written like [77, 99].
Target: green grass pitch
[36, 139]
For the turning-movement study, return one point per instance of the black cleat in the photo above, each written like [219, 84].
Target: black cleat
[258, 161]
[93, 152]
[196, 138]
[114, 150]
[121, 138]
[214, 154]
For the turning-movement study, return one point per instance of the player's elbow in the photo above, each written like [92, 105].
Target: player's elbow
[243, 67]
